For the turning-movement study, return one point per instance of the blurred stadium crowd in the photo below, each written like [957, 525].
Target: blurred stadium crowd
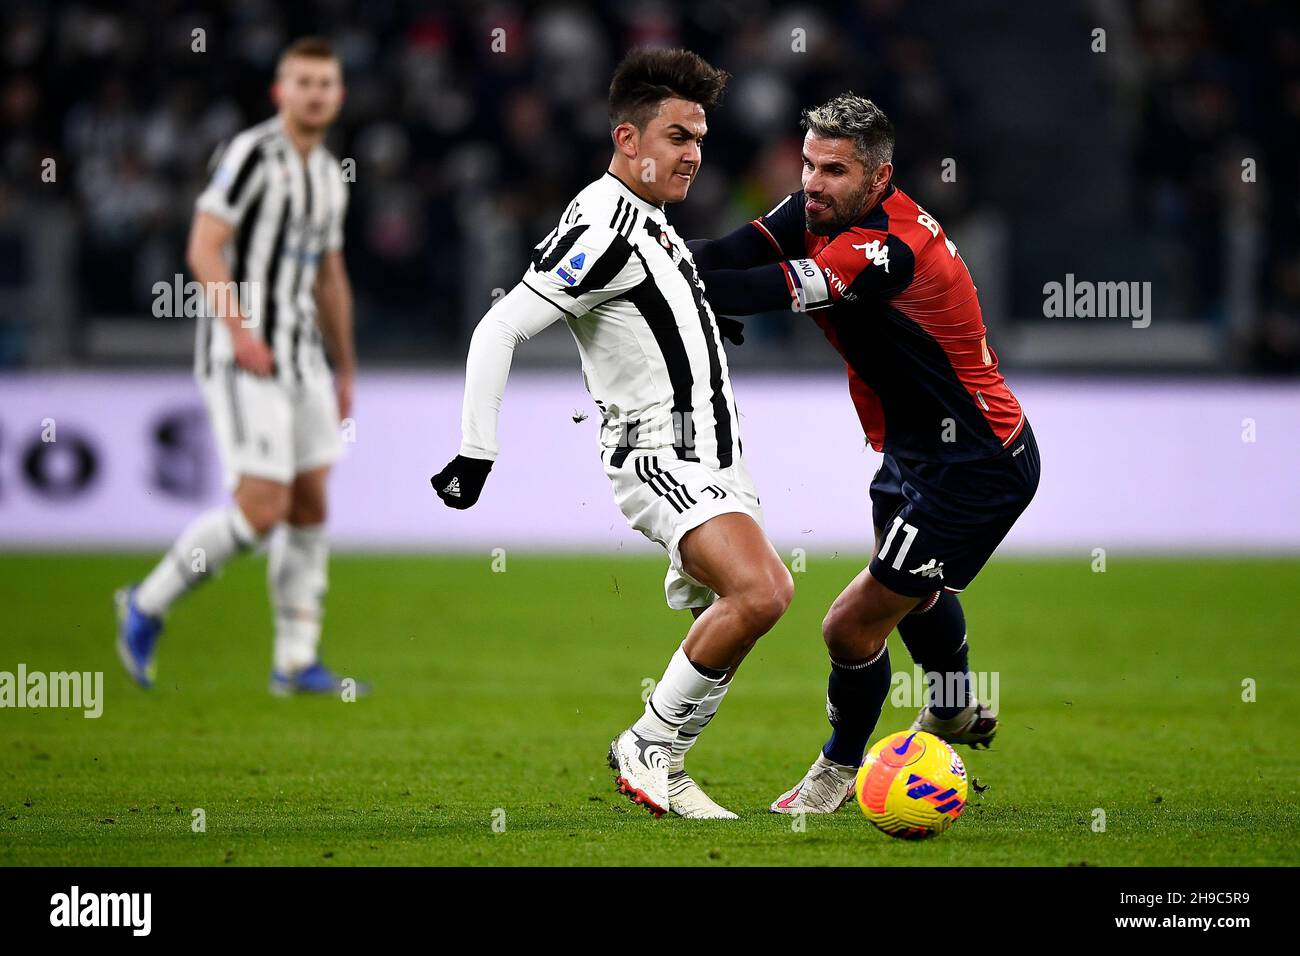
[1124, 165]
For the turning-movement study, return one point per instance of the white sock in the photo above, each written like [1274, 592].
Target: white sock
[690, 731]
[203, 548]
[676, 698]
[297, 577]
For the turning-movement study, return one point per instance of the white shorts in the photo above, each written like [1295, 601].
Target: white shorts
[266, 428]
[663, 498]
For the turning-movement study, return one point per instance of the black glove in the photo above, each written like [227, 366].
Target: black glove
[731, 330]
[461, 482]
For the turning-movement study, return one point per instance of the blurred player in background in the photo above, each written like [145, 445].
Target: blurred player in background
[267, 245]
[652, 358]
[960, 461]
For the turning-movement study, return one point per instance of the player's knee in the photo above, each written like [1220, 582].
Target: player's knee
[771, 601]
[264, 516]
[847, 636]
[782, 588]
[764, 602]
[834, 631]
[306, 511]
[264, 510]
[307, 500]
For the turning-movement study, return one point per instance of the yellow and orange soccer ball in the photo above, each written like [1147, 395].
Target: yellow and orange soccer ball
[911, 785]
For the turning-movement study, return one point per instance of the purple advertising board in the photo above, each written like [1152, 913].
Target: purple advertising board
[109, 460]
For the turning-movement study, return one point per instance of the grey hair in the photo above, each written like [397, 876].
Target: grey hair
[849, 116]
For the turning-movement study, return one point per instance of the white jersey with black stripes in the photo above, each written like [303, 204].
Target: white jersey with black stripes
[286, 212]
[652, 357]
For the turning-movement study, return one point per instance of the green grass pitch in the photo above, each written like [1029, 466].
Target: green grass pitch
[496, 695]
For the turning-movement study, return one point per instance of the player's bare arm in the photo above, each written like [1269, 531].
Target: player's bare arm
[206, 259]
[334, 316]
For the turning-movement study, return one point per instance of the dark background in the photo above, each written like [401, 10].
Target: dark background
[1114, 166]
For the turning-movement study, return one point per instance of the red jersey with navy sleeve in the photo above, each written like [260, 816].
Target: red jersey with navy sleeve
[895, 299]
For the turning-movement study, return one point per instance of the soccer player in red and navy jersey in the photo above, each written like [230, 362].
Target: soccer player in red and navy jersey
[893, 296]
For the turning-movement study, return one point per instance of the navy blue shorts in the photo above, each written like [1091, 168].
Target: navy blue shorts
[937, 524]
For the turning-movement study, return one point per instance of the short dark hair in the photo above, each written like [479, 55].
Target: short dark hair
[647, 77]
[849, 116]
[309, 48]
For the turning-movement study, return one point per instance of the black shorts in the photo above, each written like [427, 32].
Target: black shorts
[938, 523]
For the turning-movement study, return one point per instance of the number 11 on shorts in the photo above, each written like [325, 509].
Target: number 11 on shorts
[909, 535]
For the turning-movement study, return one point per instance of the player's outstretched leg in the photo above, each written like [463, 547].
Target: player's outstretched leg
[200, 552]
[731, 556]
[935, 635]
[297, 578]
[855, 630]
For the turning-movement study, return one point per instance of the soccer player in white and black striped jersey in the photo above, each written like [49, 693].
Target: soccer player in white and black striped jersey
[267, 245]
[625, 284]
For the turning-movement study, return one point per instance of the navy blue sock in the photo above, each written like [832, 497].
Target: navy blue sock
[936, 639]
[855, 694]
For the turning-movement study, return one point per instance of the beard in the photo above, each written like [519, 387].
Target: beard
[856, 206]
[312, 121]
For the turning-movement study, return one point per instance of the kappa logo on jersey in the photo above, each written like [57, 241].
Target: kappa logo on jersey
[876, 251]
[931, 569]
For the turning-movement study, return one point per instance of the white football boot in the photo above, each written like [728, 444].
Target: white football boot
[687, 800]
[641, 764]
[824, 789]
[973, 725]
